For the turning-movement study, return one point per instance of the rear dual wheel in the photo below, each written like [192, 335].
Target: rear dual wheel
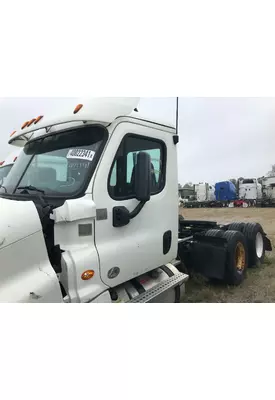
[254, 235]
[214, 233]
[237, 257]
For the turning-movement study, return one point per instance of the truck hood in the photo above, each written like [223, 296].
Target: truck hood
[18, 219]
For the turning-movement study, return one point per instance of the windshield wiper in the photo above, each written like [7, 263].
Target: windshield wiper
[30, 187]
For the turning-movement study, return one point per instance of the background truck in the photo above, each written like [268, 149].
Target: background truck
[204, 192]
[268, 189]
[93, 197]
[225, 191]
[7, 164]
[250, 189]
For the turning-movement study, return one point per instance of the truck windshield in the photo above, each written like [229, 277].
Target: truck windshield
[56, 165]
[4, 171]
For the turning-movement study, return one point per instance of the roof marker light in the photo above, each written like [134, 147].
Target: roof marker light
[31, 122]
[38, 119]
[25, 124]
[78, 108]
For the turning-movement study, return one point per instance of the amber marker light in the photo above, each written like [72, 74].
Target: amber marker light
[31, 122]
[87, 275]
[78, 108]
[25, 124]
[38, 119]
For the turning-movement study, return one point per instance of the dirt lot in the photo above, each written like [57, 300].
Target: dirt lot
[259, 286]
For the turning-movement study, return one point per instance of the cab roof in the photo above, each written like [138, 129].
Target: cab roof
[102, 110]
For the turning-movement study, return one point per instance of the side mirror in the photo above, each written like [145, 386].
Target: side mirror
[1, 181]
[142, 187]
[143, 177]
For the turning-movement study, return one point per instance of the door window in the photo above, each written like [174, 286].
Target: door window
[121, 177]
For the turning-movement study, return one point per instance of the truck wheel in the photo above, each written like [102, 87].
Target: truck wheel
[236, 226]
[254, 235]
[214, 233]
[237, 257]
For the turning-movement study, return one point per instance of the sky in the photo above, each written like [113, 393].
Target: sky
[220, 138]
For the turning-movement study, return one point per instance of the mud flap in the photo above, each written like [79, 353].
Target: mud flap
[205, 256]
[267, 243]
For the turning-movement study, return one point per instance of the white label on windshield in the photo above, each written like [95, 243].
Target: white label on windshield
[81, 154]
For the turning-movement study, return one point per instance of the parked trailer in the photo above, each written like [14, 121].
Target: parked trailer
[108, 230]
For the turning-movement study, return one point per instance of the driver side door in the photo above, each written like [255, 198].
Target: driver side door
[129, 251]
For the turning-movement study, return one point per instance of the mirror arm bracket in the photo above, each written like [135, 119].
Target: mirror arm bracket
[137, 210]
[122, 216]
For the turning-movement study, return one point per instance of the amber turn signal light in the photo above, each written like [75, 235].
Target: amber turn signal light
[87, 275]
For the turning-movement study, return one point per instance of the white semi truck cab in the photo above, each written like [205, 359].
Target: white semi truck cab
[250, 189]
[89, 211]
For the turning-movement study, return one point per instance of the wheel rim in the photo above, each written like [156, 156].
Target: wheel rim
[259, 245]
[240, 257]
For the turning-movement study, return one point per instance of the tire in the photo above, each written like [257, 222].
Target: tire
[236, 226]
[214, 233]
[236, 258]
[254, 235]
